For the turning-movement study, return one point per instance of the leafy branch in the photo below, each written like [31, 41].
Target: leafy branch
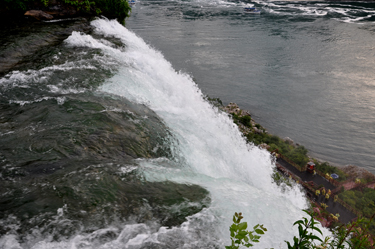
[353, 235]
[306, 239]
[240, 236]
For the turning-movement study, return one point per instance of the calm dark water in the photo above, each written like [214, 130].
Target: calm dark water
[303, 69]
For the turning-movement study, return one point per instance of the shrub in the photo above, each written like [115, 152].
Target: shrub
[119, 9]
[14, 5]
[353, 235]
[298, 155]
[245, 120]
[327, 168]
[364, 202]
[214, 101]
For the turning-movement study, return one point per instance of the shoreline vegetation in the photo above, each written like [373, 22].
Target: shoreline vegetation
[354, 186]
[51, 9]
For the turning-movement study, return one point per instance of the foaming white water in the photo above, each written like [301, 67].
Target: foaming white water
[208, 148]
[205, 136]
[340, 11]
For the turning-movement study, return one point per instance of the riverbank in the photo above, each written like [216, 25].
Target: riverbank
[257, 134]
[353, 193]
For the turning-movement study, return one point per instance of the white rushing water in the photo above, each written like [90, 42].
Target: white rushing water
[208, 147]
[208, 151]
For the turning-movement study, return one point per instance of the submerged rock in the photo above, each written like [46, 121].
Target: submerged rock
[75, 169]
[20, 41]
[96, 196]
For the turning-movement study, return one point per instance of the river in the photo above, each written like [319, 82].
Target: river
[107, 139]
[303, 69]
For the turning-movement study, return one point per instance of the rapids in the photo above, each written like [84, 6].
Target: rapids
[107, 139]
[119, 150]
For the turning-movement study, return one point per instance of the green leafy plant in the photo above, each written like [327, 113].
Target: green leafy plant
[325, 167]
[14, 4]
[241, 236]
[245, 120]
[119, 9]
[363, 201]
[306, 238]
[353, 235]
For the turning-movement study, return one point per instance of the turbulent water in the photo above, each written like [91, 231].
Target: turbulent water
[104, 144]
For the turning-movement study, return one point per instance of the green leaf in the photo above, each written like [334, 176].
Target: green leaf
[251, 236]
[264, 229]
[313, 237]
[317, 229]
[242, 226]
[239, 236]
[295, 240]
[300, 230]
[298, 222]
[259, 231]
[289, 246]
[233, 227]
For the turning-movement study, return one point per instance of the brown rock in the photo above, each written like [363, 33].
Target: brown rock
[358, 172]
[38, 14]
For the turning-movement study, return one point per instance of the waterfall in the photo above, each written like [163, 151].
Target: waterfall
[208, 148]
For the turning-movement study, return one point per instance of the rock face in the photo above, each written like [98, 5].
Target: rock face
[358, 172]
[252, 127]
[289, 140]
[28, 44]
[54, 9]
[38, 14]
[233, 108]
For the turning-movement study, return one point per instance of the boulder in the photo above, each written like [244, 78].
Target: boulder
[38, 14]
[256, 130]
[289, 140]
[264, 146]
